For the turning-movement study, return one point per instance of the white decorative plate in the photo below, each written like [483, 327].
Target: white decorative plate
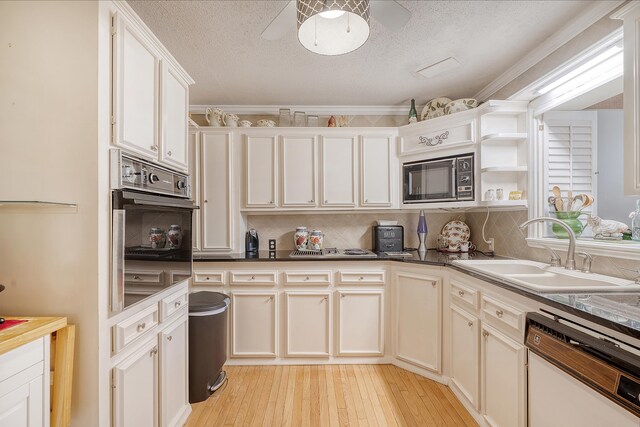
[434, 108]
[458, 105]
[456, 232]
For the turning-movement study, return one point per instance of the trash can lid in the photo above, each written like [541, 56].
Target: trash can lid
[207, 301]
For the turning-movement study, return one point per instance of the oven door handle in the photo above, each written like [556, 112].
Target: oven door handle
[117, 261]
[189, 206]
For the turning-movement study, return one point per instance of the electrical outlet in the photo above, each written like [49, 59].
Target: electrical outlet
[492, 245]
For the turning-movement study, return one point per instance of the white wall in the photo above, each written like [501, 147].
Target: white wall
[49, 151]
[612, 203]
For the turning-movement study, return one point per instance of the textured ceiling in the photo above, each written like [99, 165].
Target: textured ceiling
[219, 44]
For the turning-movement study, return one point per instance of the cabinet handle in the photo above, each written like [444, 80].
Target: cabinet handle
[361, 278]
[169, 153]
[136, 277]
[177, 304]
[485, 334]
[154, 148]
[326, 201]
[154, 351]
[253, 278]
[306, 278]
[271, 298]
[325, 298]
[366, 200]
[169, 338]
[141, 326]
[207, 278]
[342, 295]
[433, 284]
[499, 313]
[461, 293]
[271, 202]
[311, 201]
[206, 201]
[470, 323]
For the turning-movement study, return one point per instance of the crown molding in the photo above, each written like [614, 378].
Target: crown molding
[320, 110]
[574, 27]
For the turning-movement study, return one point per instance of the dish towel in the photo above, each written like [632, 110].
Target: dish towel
[10, 322]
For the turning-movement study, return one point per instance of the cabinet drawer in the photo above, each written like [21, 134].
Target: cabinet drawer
[253, 278]
[209, 278]
[463, 295]
[503, 316]
[361, 277]
[21, 358]
[147, 277]
[307, 277]
[134, 327]
[171, 304]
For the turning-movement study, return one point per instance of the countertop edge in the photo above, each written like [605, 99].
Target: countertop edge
[36, 327]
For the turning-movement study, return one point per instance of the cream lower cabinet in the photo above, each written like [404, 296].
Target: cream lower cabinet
[174, 373]
[24, 389]
[418, 320]
[465, 364]
[135, 388]
[254, 324]
[360, 329]
[503, 379]
[308, 324]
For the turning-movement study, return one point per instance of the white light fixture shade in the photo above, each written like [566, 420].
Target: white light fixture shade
[336, 35]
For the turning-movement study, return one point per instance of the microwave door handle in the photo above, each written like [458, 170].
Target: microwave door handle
[117, 261]
[454, 187]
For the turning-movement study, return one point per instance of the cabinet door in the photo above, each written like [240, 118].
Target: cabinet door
[216, 187]
[261, 171]
[418, 320]
[375, 171]
[360, 323]
[174, 392]
[175, 108]
[136, 90]
[308, 323]
[135, 392]
[194, 181]
[254, 324]
[503, 382]
[24, 405]
[338, 160]
[465, 352]
[299, 171]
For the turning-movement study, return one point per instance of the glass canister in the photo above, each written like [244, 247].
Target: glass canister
[300, 238]
[316, 240]
[174, 235]
[157, 238]
[571, 219]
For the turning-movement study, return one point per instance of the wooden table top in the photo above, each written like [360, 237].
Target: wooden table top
[35, 328]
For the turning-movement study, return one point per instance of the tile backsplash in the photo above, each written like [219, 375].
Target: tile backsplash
[344, 230]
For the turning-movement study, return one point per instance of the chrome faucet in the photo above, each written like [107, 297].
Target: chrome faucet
[570, 264]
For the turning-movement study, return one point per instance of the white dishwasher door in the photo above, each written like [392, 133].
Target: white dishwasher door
[558, 399]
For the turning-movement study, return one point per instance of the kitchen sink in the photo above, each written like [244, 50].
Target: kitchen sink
[540, 277]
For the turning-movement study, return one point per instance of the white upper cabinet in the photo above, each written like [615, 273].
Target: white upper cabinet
[150, 96]
[175, 108]
[299, 168]
[630, 14]
[216, 186]
[376, 171]
[261, 167]
[136, 68]
[338, 160]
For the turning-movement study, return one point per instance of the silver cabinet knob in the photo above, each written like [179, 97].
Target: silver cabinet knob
[141, 326]
[154, 148]
[169, 153]
[177, 304]
[169, 338]
[136, 278]
[485, 334]
[470, 323]
[366, 200]
[326, 201]
[499, 313]
[461, 293]
[153, 352]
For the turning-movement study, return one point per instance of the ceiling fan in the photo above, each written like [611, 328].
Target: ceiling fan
[389, 13]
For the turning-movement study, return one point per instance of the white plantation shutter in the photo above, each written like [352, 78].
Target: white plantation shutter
[571, 151]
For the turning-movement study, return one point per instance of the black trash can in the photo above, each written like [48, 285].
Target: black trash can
[207, 343]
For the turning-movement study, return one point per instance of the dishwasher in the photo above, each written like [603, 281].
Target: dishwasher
[579, 377]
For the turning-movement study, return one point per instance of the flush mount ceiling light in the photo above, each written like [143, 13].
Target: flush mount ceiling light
[332, 27]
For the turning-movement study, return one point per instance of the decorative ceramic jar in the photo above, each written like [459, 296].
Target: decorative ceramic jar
[300, 238]
[266, 123]
[157, 238]
[230, 120]
[316, 241]
[245, 123]
[214, 116]
[174, 235]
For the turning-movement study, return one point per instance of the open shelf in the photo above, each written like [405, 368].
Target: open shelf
[503, 203]
[505, 169]
[504, 137]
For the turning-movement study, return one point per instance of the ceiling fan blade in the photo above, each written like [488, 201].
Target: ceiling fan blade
[391, 14]
[281, 24]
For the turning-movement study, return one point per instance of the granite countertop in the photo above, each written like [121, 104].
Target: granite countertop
[617, 311]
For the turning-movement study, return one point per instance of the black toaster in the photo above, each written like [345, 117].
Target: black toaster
[388, 238]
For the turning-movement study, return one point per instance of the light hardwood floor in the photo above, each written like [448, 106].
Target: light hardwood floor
[329, 395]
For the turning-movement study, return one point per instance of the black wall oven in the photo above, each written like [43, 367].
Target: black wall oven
[151, 231]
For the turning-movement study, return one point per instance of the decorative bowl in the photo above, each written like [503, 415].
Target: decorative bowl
[571, 219]
[266, 123]
[245, 123]
[434, 108]
[458, 105]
